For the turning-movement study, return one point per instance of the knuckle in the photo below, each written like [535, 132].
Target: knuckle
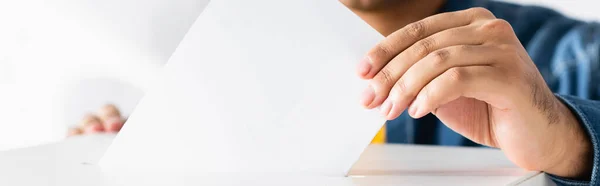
[510, 52]
[416, 29]
[439, 57]
[428, 93]
[506, 48]
[381, 52]
[401, 88]
[479, 12]
[385, 76]
[462, 48]
[455, 75]
[496, 26]
[424, 47]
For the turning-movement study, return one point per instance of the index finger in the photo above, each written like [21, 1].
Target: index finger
[400, 40]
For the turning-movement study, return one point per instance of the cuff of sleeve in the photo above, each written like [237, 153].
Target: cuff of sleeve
[588, 114]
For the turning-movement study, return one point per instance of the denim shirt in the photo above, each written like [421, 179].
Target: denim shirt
[566, 51]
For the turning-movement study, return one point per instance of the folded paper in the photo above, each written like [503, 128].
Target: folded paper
[262, 86]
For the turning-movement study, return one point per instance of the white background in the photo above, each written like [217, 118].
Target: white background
[60, 59]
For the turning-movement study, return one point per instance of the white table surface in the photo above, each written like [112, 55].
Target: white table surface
[73, 162]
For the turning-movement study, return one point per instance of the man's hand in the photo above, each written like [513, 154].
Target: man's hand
[470, 70]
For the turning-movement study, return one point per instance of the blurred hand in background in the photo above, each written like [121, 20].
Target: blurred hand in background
[107, 119]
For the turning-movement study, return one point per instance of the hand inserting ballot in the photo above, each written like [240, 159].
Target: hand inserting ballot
[469, 69]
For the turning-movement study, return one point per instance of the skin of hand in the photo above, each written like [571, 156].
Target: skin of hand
[107, 119]
[469, 69]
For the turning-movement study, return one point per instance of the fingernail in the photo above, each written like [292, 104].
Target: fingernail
[420, 112]
[386, 107]
[412, 110]
[415, 110]
[364, 66]
[368, 96]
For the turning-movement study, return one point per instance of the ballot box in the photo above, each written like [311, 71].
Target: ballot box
[74, 162]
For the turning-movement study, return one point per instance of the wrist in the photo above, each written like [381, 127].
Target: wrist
[572, 153]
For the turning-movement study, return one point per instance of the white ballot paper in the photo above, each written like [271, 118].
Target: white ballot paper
[261, 86]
